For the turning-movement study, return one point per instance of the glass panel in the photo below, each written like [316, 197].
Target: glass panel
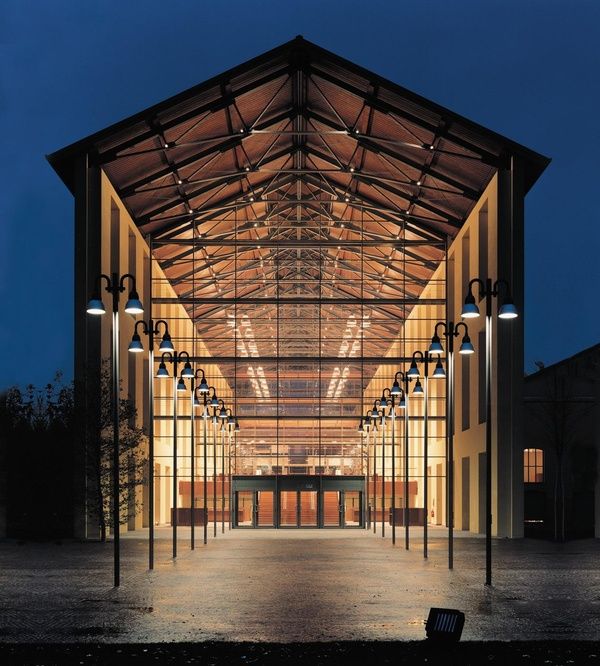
[264, 509]
[331, 508]
[308, 508]
[245, 500]
[288, 510]
[352, 508]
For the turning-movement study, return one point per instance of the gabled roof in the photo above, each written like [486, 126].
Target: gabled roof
[298, 107]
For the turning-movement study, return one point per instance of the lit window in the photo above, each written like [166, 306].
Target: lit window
[533, 465]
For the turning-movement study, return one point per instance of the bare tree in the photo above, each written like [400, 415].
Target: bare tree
[559, 416]
[132, 441]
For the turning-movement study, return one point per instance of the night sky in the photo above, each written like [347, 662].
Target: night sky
[528, 69]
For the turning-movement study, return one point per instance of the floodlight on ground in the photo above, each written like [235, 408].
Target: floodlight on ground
[444, 624]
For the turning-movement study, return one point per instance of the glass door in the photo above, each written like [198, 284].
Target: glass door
[264, 508]
[332, 508]
[352, 508]
[308, 508]
[288, 508]
[244, 508]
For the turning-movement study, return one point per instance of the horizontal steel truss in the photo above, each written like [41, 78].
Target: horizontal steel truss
[243, 360]
[283, 300]
[296, 243]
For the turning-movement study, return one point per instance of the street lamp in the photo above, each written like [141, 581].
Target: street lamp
[219, 415]
[422, 390]
[507, 310]
[179, 387]
[403, 393]
[150, 328]
[115, 286]
[206, 402]
[370, 423]
[451, 331]
[203, 389]
[393, 393]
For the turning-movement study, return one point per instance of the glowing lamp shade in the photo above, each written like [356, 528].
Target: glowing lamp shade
[237, 425]
[187, 370]
[181, 384]
[507, 310]
[136, 345]
[470, 309]
[439, 372]
[162, 371]
[435, 347]
[95, 306]
[203, 387]
[360, 426]
[413, 371]
[418, 390]
[466, 346]
[165, 344]
[197, 402]
[214, 402]
[383, 402]
[223, 413]
[395, 390]
[134, 305]
[230, 420]
[402, 403]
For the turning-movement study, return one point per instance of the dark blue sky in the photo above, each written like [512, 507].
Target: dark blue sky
[529, 69]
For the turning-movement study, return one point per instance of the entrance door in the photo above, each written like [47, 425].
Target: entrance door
[244, 508]
[352, 508]
[264, 508]
[308, 508]
[332, 508]
[288, 508]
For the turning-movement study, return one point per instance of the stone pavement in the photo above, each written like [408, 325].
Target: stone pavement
[296, 585]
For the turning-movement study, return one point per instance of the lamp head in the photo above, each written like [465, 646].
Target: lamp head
[203, 386]
[181, 384]
[162, 370]
[439, 372]
[470, 309]
[197, 402]
[165, 344]
[237, 425]
[214, 401]
[418, 390]
[95, 305]
[230, 420]
[187, 370]
[223, 412]
[466, 346]
[395, 390]
[508, 310]
[134, 305]
[402, 403]
[360, 425]
[435, 348]
[136, 345]
[383, 403]
[413, 371]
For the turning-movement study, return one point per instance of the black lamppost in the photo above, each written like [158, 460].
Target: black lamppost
[396, 390]
[451, 331]
[384, 403]
[363, 429]
[370, 423]
[115, 286]
[219, 414]
[507, 310]
[374, 414]
[178, 388]
[423, 390]
[213, 402]
[150, 328]
[203, 389]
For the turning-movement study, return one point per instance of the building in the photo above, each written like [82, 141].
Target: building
[301, 224]
[562, 440]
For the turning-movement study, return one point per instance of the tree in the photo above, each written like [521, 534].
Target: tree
[133, 461]
[559, 416]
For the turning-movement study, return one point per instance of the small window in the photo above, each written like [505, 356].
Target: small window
[533, 465]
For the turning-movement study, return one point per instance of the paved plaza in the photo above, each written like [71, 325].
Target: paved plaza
[296, 585]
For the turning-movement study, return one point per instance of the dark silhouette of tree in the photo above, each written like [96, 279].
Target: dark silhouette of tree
[100, 458]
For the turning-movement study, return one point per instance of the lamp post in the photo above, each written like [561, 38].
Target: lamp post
[213, 402]
[371, 425]
[115, 286]
[363, 429]
[423, 390]
[228, 426]
[150, 329]
[203, 389]
[507, 310]
[403, 392]
[178, 388]
[392, 401]
[218, 415]
[451, 331]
